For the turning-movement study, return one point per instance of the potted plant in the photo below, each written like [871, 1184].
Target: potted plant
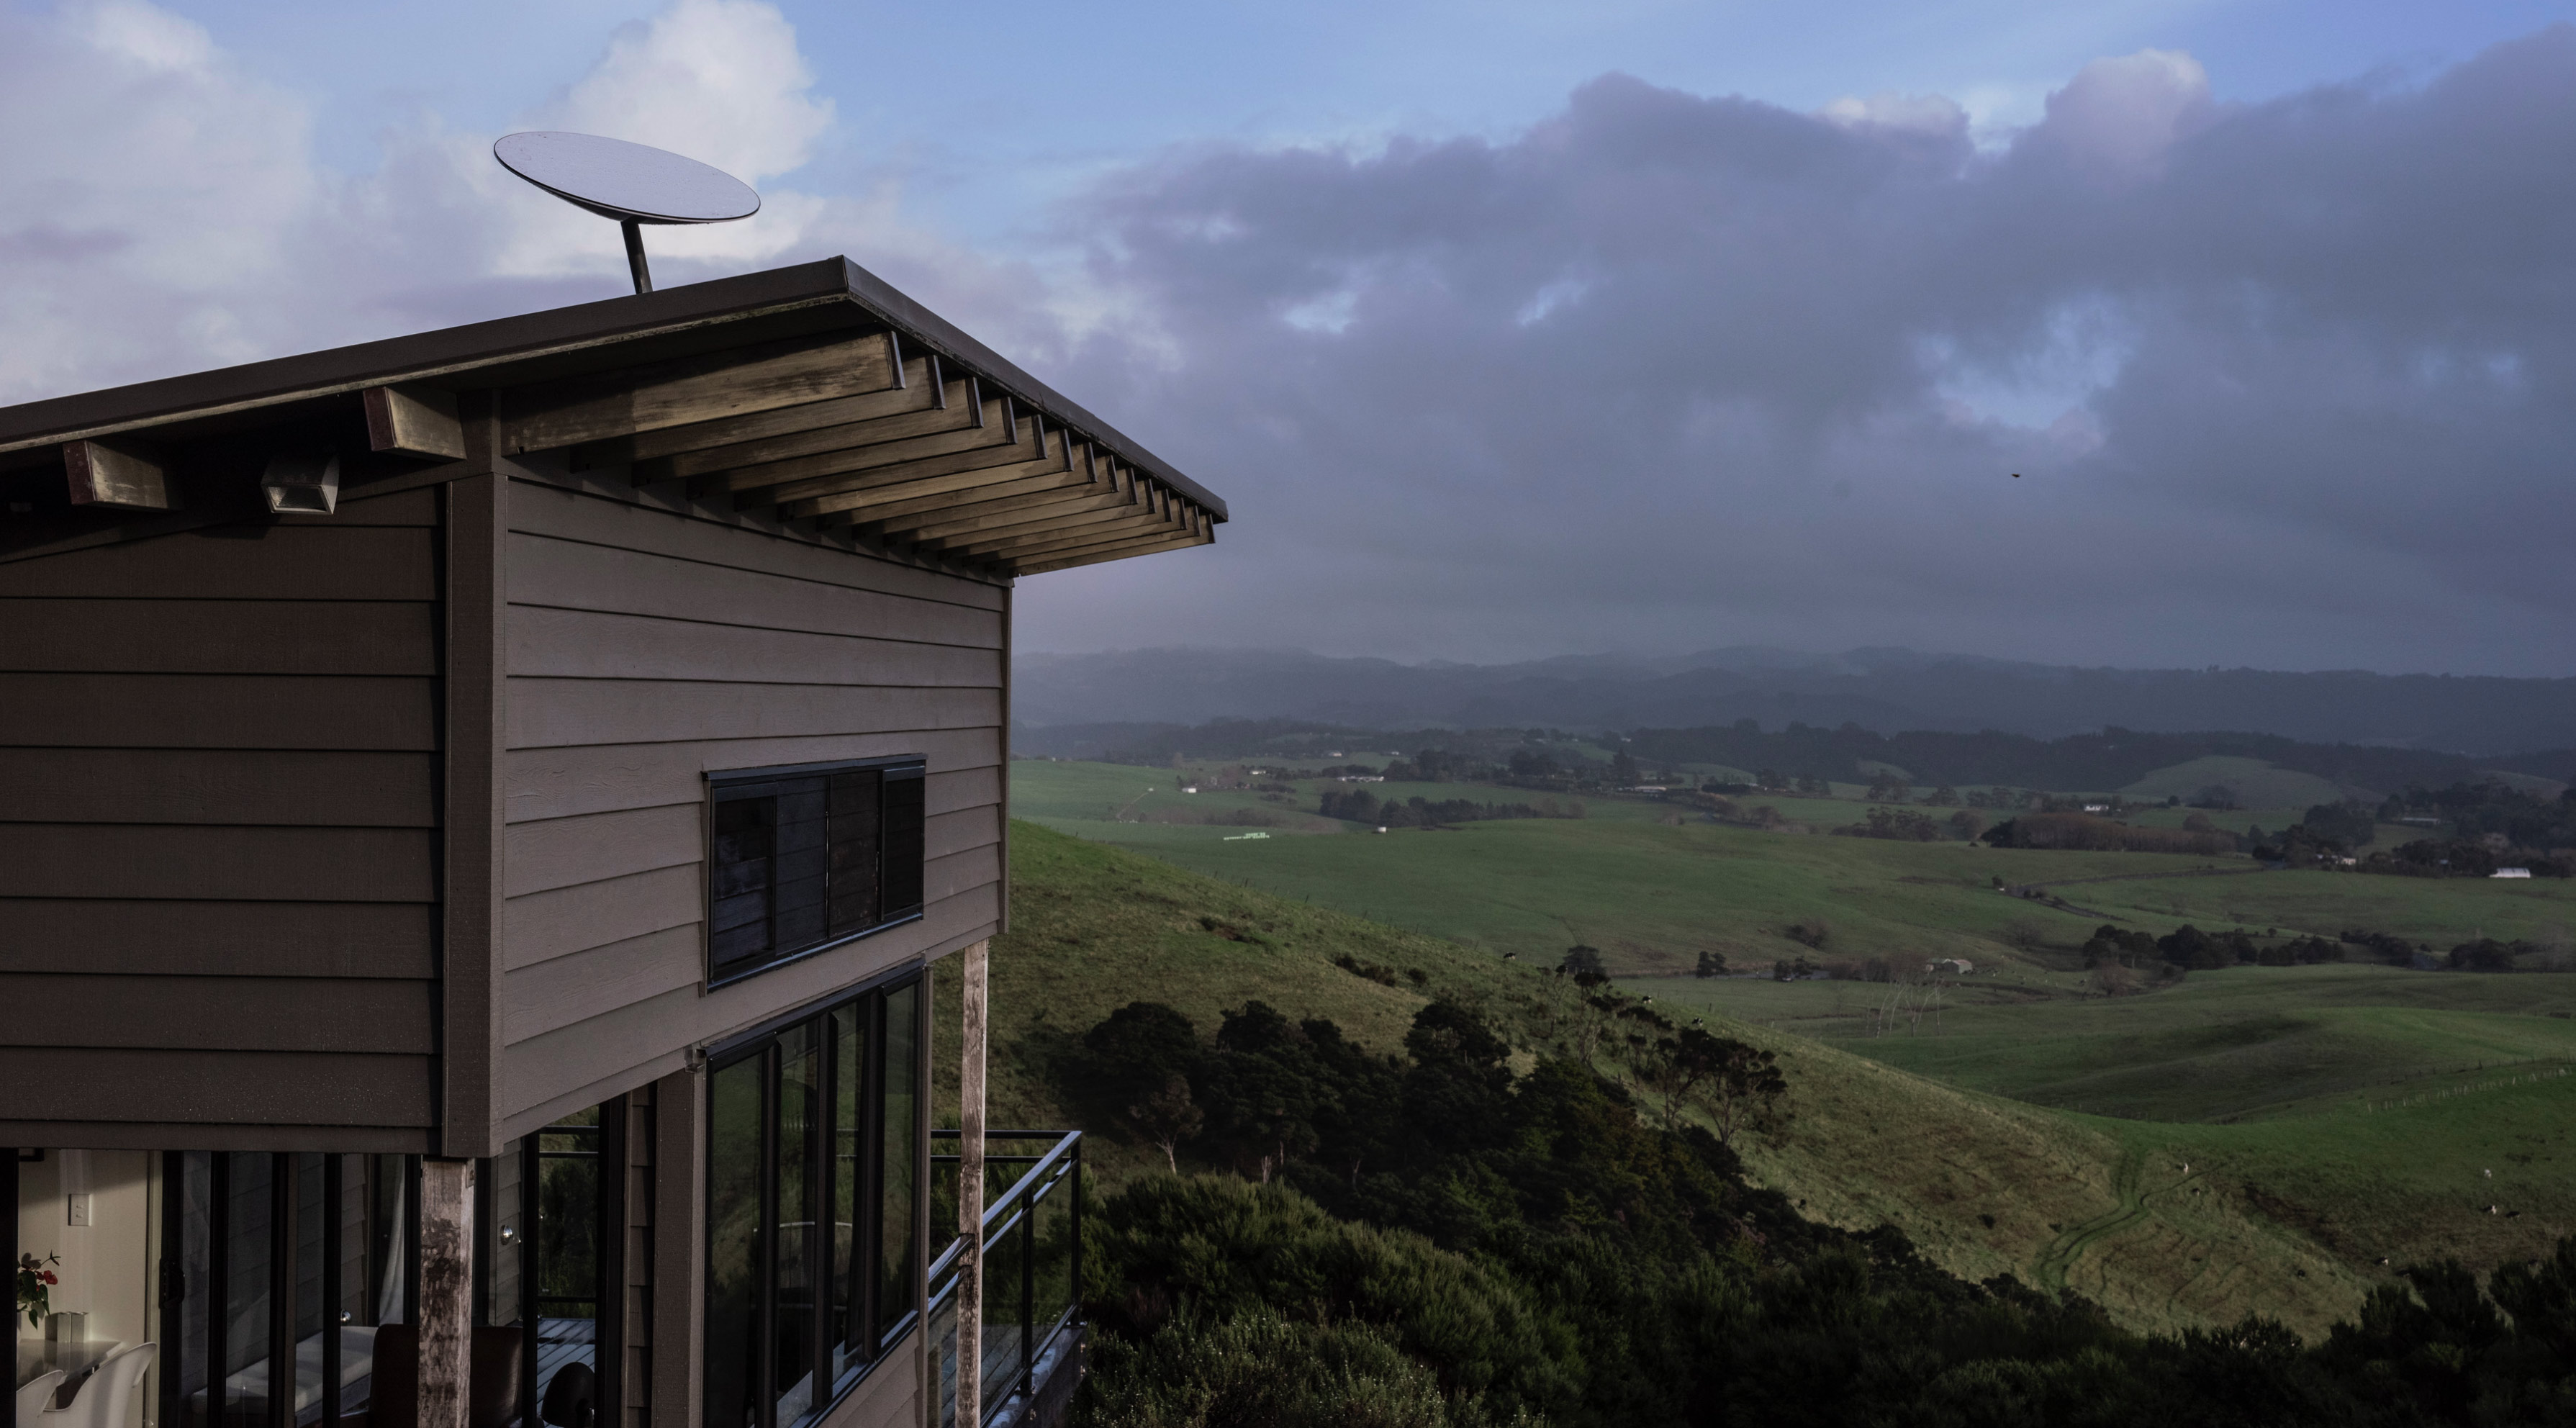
[35, 1286]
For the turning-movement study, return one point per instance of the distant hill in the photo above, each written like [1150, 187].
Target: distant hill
[1882, 690]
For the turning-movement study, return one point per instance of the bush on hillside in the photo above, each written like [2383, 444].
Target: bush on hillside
[1535, 1247]
[2087, 833]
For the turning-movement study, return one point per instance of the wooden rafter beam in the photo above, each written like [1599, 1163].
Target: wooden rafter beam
[919, 413]
[1029, 546]
[760, 378]
[826, 473]
[414, 421]
[851, 494]
[904, 516]
[1118, 551]
[120, 475]
[1050, 527]
[918, 385]
[1081, 505]
[993, 515]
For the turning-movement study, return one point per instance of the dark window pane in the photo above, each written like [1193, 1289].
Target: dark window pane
[196, 1266]
[857, 816]
[847, 1334]
[565, 1254]
[742, 911]
[800, 1281]
[734, 1244]
[900, 1218]
[309, 1262]
[735, 879]
[903, 841]
[246, 1273]
[743, 944]
[796, 865]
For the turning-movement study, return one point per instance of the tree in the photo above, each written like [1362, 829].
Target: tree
[1581, 960]
[1711, 964]
[1742, 1088]
[1623, 769]
[1260, 1088]
[1169, 1117]
[1943, 797]
[1136, 1050]
[1679, 1066]
[1965, 825]
[2023, 935]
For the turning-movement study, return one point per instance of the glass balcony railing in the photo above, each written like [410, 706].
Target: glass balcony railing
[1032, 1276]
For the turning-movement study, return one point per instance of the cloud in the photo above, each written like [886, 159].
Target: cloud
[163, 210]
[2284, 383]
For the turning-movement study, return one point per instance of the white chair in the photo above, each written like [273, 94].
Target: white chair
[36, 1393]
[107, 1395]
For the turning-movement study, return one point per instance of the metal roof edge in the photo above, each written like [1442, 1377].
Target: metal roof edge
[445, 351]
[418, 355]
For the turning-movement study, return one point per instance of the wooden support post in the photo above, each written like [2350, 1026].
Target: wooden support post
[970, 1192]
[446, 1326]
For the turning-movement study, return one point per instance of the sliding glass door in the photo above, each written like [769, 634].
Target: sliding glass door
[278, 1271]
[811, 1213]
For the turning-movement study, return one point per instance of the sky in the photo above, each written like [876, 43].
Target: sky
[2148, 332]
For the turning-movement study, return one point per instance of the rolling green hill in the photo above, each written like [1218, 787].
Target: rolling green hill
[2252, 783]
[2365, 1134]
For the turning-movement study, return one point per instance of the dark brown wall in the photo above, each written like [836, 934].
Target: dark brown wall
[218, 804]
[647, 647]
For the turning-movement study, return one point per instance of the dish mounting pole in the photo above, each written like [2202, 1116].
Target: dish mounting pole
[635, 255]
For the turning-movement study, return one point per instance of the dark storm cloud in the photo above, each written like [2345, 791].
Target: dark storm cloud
[2287, 383]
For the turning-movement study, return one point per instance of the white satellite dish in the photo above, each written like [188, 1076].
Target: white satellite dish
[632, 183]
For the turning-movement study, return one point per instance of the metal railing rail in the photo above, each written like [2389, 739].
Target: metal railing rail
[1044, 1193]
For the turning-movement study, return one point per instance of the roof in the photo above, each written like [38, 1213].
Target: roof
[816, 393]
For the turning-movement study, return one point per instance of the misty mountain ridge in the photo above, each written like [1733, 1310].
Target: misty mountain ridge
[1883, 689]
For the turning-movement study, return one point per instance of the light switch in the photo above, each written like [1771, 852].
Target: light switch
[80, 1209]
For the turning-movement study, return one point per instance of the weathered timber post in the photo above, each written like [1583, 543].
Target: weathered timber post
[446, 1326]
[970, 1192]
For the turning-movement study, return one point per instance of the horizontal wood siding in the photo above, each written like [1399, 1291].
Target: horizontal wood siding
[647, 649]
[218, 799]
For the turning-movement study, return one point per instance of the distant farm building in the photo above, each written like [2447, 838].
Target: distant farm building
[2510, 873]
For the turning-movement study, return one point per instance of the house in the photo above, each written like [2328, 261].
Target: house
[481, 816]
[2510, 873]
[1956, 966]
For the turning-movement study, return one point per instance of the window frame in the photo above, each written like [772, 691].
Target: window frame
[888, 767]
[877, 1323]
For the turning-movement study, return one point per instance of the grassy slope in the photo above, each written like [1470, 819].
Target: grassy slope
[2290, 1216]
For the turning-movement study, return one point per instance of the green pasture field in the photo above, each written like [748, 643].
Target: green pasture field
[1654, 887]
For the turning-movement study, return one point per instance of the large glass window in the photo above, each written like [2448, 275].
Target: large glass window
[801, 858]
[285, 1269]
[811, 1211]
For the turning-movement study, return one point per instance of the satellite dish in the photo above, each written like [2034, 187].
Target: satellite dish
[632, 183]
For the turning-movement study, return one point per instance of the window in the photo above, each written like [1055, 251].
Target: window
[802, 858]
[812, 1215]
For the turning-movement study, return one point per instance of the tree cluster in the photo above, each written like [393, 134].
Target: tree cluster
[2475, 810]
[2468, 858]
[1441, 1243]
[1903, 824]
[1361, 806]
[2084, 832]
